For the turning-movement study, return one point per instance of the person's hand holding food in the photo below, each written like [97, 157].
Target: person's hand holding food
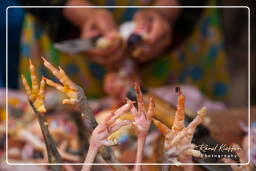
[154, 27]
[95, 22]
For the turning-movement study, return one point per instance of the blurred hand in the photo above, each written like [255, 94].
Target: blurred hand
[156, 33]
[101, 23]
[117, 83]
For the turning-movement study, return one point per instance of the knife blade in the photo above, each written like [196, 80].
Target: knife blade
[75, 45]
[81, 45]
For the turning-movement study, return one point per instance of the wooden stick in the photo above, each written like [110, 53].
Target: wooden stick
[52, 152]
[83, 135]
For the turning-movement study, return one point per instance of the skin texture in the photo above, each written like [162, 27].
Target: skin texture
[154, 23]
[36, 94]
[91, 24]
[155, 26]
[156, 33]
[101, 133]
[178, 146]
[142, 122]
[107, 29]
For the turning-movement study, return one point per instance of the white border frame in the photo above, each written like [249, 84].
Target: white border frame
[183, 164]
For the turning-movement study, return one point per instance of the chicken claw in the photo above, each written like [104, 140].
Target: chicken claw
[36, 95]
[77, 97]
[101, 133]
[36, 99]
[142, 118]
[73, 92]
[142, 122]
[178, 146]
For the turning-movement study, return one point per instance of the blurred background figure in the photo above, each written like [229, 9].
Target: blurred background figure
[188, 49]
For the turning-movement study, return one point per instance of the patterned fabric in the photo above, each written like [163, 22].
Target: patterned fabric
[199, 60]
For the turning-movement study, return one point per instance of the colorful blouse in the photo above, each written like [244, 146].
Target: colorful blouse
[199, 60]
